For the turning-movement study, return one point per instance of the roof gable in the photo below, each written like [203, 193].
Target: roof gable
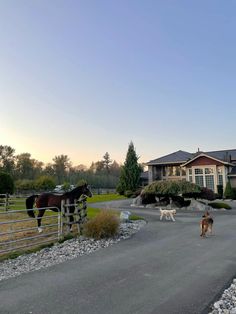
[206, 156]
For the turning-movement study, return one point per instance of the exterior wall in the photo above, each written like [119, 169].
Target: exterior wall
[203, 161]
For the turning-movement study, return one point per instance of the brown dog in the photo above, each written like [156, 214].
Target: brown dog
[206, 224]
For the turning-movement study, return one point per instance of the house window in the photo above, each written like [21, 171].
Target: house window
[190, 172]
[177, 171]
[209, 170]
[199, 180]
[164, 171]
[190, 179]
[220, 179]
[198, 171]
[173, 171]
[183, 171]
[210, 182]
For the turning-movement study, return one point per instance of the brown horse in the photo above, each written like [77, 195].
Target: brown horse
[53, 201]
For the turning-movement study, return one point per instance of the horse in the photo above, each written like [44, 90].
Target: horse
[49, 199]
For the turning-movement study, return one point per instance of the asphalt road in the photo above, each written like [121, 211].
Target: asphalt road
[165, 268]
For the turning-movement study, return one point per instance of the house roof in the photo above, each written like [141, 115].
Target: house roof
[177, 157]
[225, 156]
[232, 172]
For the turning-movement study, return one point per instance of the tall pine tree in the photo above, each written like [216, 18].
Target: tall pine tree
[130, 172]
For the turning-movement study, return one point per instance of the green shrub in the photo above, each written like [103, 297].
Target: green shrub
[129, 193]
[6, 183]
[219, 205]
[104, 225]
[229, 192]
[207, 194]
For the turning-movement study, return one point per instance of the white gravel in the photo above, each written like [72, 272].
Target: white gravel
[59, 253]
[227, 303]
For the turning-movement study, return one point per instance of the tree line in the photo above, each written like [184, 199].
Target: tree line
[29, 173]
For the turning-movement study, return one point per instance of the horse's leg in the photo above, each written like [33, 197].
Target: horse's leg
[39, 218]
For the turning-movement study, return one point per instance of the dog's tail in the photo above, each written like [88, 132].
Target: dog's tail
[29, 202]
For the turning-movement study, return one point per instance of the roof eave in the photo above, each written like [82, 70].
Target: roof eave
[164, 163]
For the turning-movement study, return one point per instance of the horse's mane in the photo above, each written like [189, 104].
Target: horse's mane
[74, 191]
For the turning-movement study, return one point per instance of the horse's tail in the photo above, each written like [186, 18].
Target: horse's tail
[30, 204]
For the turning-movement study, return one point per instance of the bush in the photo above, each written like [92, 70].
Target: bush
[219, 205]
[229, 191]
[207, 194]
[6, 183]
[104, 225]
[45, 183]
[148, 198]
[179, 201]
[129, 193]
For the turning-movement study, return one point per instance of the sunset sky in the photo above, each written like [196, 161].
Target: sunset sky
[82, 78]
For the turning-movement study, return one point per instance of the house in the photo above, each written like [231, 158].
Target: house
[207, 169]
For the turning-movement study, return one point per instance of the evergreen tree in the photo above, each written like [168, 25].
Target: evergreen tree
[229, 193]
[130, 172]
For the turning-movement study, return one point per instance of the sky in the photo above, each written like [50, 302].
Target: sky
[86, 77]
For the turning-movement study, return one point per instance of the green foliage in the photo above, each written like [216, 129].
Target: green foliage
[207, 194]
[229, 191]
[45, 183]
[135, 217]
[25, 185]
[81, 182]
[130, 172]
[129, 193]
[104, 225]
[104, 198]
[219, 205]
[6, 183]
[7, 159]
[66, 186]
[168, 187]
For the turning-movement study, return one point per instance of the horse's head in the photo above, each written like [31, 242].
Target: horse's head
[87, 190]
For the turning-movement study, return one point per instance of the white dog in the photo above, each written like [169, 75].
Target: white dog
[168, 213]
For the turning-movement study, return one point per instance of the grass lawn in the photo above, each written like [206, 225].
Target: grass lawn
[105, 198]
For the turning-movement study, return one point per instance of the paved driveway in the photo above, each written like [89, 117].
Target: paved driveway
[165, 268]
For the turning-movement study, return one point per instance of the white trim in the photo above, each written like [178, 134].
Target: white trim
[215, 174]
